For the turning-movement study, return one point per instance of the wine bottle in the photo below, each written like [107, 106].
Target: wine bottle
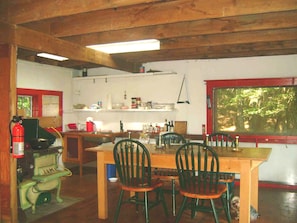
[165, 126]
[171, 127]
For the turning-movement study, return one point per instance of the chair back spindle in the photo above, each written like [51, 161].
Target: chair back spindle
[198, 168]
[220, 140]
[133, 163]
[172, 138]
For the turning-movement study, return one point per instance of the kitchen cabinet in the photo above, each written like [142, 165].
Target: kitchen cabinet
[76, 143]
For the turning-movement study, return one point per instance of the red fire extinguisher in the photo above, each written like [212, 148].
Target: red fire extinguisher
[18, 140]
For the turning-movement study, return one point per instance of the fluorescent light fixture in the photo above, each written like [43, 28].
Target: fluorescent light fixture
[52, 56]
[125, 47]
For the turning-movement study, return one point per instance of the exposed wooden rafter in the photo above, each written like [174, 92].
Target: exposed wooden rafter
[187, 29]
[41, 42]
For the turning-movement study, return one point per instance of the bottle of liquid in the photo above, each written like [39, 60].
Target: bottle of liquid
[236, 142]
[165, 126]
[157, 128]
[151, 128]
[168, 126]
[171, 127]
[121, 126]
[206, 139]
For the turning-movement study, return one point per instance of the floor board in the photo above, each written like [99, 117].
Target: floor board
[275, 205]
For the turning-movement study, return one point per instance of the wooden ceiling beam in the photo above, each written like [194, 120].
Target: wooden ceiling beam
[219, 55]
[19, 11]
[31, 56]
[186, 28]
[5, 28]
[163, 13]
[264, 36]
[40, 42]
[248, 23]
[208, 51]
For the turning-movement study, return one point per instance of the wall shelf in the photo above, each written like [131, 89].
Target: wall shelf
[123, 110]
[126, 75]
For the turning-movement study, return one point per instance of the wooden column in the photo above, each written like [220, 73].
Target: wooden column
[8, 190]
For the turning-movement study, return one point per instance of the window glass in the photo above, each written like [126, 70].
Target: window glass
[25, 105]
[256, 110]
[50, 105]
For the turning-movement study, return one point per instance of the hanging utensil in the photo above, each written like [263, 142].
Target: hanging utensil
[181, 88]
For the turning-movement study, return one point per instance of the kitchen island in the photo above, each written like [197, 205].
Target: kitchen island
[76, 142]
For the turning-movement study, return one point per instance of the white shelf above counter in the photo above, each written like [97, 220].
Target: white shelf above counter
[126, 75]
[124, 110]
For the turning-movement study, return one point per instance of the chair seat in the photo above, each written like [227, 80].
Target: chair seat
[137, 186]
[206, 193]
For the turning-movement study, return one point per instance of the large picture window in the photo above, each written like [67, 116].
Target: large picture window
[260, 110]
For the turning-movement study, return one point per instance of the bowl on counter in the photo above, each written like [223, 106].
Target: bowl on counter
[117, 105]
[113, 179]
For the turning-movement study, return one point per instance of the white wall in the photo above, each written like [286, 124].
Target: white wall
[166, 88]
[281, 166]
[40, 76]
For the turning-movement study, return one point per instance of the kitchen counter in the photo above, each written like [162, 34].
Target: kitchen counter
[76, 142]
[134, 134]
[95, 134]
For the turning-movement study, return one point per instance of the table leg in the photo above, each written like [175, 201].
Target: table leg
[255, 188]
[245, 191]
[102, 187]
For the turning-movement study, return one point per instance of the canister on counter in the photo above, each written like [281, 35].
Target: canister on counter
[99, 103]
[138, 102]
[141, 69]
[133, 103]
[89, 126]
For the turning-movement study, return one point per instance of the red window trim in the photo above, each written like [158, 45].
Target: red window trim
[37, 100]
[212, 84]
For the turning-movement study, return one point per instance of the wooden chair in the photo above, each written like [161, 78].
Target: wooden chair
[223, 140]
[198, 170]
[133, 165]
[171, 175]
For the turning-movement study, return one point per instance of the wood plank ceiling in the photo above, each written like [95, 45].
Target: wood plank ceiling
[187, 29]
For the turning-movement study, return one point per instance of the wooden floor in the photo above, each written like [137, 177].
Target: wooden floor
[275, 205]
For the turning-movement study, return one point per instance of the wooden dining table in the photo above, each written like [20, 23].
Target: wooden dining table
[245, 161]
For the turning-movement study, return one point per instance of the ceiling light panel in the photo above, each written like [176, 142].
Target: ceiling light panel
[52, 56]
[125, 47]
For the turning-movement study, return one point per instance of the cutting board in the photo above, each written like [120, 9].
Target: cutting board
[180, 127]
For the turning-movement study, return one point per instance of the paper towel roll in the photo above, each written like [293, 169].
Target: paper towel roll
[109, 101]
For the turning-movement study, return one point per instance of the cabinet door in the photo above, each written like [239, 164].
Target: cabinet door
[87, 155]
[71, 149]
